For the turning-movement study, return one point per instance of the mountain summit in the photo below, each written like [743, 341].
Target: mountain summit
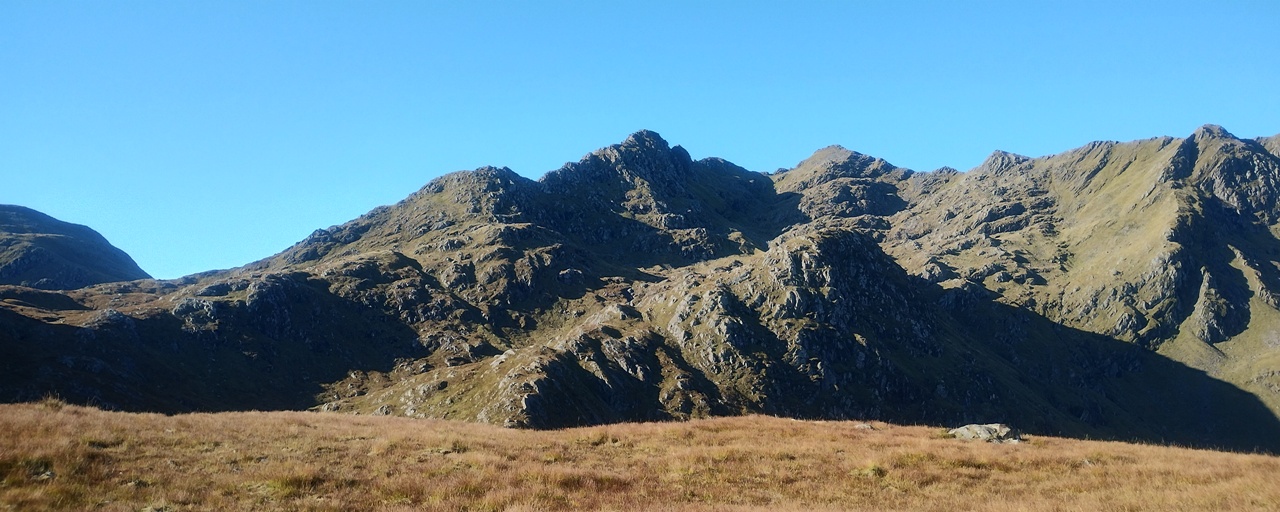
[1093, 292]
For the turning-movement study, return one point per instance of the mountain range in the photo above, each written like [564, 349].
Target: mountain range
[1118, 290]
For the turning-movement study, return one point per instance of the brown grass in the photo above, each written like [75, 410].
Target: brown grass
[63, 457]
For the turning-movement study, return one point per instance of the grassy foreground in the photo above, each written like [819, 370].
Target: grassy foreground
[57, 456]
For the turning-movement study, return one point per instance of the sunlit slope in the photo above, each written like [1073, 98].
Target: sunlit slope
[62, 457]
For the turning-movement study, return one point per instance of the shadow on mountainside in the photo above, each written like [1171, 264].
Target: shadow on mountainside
[1099, 387]
[621, 240]
[272, 359]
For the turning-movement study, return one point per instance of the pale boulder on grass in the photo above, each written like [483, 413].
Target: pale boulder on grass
[991, 433]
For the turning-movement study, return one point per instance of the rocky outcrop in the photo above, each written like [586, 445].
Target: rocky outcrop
[991, 433]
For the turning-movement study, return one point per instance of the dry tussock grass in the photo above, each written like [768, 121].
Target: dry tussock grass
[57, 456]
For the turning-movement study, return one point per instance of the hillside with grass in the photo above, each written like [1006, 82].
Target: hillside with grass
[1166, 243]
[62, 457]
[1120, 291]
[39, 251]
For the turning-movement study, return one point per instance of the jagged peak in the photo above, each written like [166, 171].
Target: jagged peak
[834, 153]
[831, 163]
[646, 142]
[836, 148]
[838, 158]
[646, 138]
[643, 153]
[1099, 144]
[1002, 154]
[498, 172]
[1000, 161]
[1211, 131]
[480, 174]
[643, 142]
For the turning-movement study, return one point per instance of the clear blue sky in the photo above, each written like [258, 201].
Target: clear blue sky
[199, 135]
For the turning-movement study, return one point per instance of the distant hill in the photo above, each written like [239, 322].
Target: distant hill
[39, 251]
[1120, 290]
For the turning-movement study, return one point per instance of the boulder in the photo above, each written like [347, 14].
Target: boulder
[991, 433]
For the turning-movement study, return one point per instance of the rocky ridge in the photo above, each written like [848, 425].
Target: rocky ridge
[1057, 293]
